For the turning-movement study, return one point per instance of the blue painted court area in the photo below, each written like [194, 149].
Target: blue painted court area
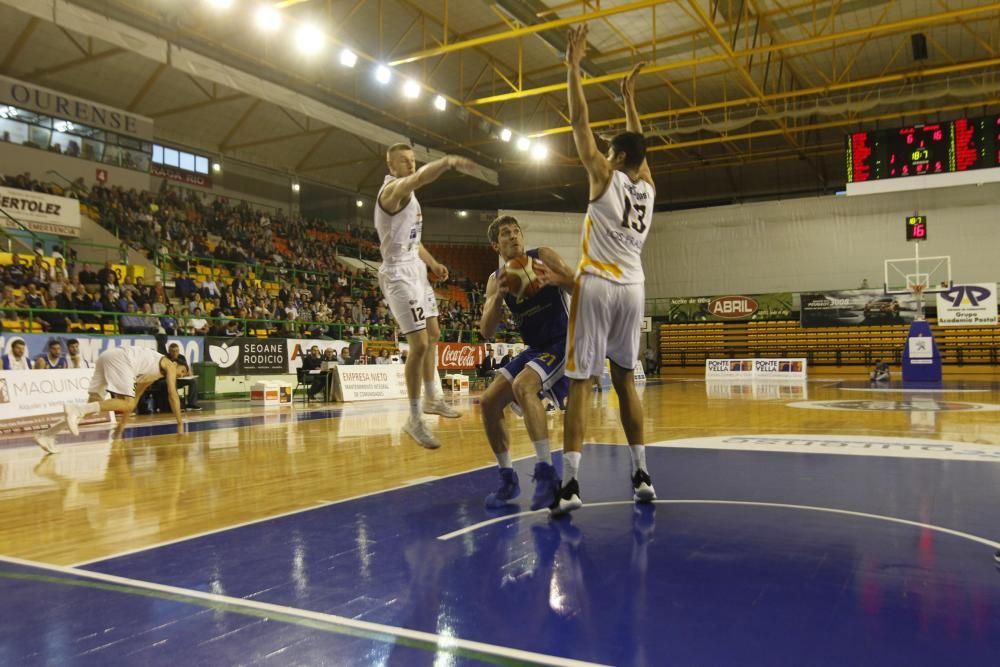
[750, 558]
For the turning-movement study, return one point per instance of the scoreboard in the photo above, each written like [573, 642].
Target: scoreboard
[940, 148]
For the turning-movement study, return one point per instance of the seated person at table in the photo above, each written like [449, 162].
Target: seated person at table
[314, 362]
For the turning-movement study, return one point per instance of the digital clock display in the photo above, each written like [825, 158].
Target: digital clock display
[916, 228]
[939, 148]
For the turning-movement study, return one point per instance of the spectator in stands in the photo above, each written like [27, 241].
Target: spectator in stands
[132, 322]
[210, 289]
[233, 328]
[52, 359]
[65, 300]
[196, 324]
[10, 302]
[107, 277]
[184, 287]
[150, 322]
[36, 299]
[159, 306]
[58, 276]
[73, 357]
[169, 321]
[17, 272]
[88, 277]
[17, 360]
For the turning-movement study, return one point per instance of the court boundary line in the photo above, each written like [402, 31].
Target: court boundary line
[680, 443]
[745, 503]
[333, 622]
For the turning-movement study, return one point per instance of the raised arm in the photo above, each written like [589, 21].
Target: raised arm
[632, 122]
[394, 194]
[492, 307]
[598, 169]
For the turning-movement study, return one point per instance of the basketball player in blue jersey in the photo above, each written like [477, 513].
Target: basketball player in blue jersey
[542, 320]
[403, 279]
[609, 291]
[52, 358]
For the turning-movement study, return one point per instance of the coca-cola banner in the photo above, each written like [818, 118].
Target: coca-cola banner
[459, 356]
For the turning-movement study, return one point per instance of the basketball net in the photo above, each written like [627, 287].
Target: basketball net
[917, 290]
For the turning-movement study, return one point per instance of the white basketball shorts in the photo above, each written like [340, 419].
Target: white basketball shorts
[113, 372]
[604, 322]
[409, 295]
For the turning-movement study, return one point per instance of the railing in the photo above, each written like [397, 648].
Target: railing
[84, 320]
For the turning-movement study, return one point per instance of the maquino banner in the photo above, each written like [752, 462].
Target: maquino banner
[249, 356]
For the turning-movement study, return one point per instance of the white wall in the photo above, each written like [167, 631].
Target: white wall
[17, 159]
[799, 244]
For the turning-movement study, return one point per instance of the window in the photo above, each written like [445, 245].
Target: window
[180, 159]
[171, 157]
[201, 164]
[157, 154]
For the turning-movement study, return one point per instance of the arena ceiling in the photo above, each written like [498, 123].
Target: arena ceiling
[743, 99]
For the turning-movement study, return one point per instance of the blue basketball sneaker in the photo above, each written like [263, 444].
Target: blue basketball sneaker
[546, 485]
[509, 489]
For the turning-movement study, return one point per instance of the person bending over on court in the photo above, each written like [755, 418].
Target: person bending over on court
[881, 372]
[609, 292]
[125, 373]
[535, 372]
[404, 283]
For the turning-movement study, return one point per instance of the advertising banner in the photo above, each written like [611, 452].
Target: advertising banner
[854, 307]
[968, 305]
[755, 369]
[33, 400]
[186, 177]
[369, 383]
[249, 356]
[41, 213]
[299, 347]
[91, 346]
[460, 356]
[776, 306]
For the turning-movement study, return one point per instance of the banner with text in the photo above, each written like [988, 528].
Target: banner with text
[39, 212]
[776, 306]
[369, 383]
[249, 356]
[755, 369]
[968, 305]
[459, 356]
[33, 400]
[91, 347]
[854, 307]
[299, 347]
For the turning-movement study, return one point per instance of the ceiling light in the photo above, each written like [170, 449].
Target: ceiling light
[505, 134]
[463, 214]
[383, 74]
[296, 187]
[440, 103]
[309, 39]
[359, 203]
[411, 89]
[267, 18]
[348, 58]
[216, 167]
[523, 143]
[539, 151]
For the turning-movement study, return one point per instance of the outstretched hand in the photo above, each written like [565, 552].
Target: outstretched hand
[628, 83]
[576, 45]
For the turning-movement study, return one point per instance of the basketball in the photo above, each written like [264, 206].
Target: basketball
[520, 277]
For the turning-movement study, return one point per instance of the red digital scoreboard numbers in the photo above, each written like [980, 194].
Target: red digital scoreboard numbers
[916, 228]
[949, 147]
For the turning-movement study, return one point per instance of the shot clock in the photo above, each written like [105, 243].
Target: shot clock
[916, 228]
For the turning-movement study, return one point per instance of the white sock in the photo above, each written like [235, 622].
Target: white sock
[571, 465]
[414, 408]
[542, 451]
[503, 458]
[638, 457]
[90, 408]
[433, 389]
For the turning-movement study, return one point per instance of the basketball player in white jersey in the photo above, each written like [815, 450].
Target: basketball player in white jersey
[609, 295]
[403, 279]
[125, 373]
